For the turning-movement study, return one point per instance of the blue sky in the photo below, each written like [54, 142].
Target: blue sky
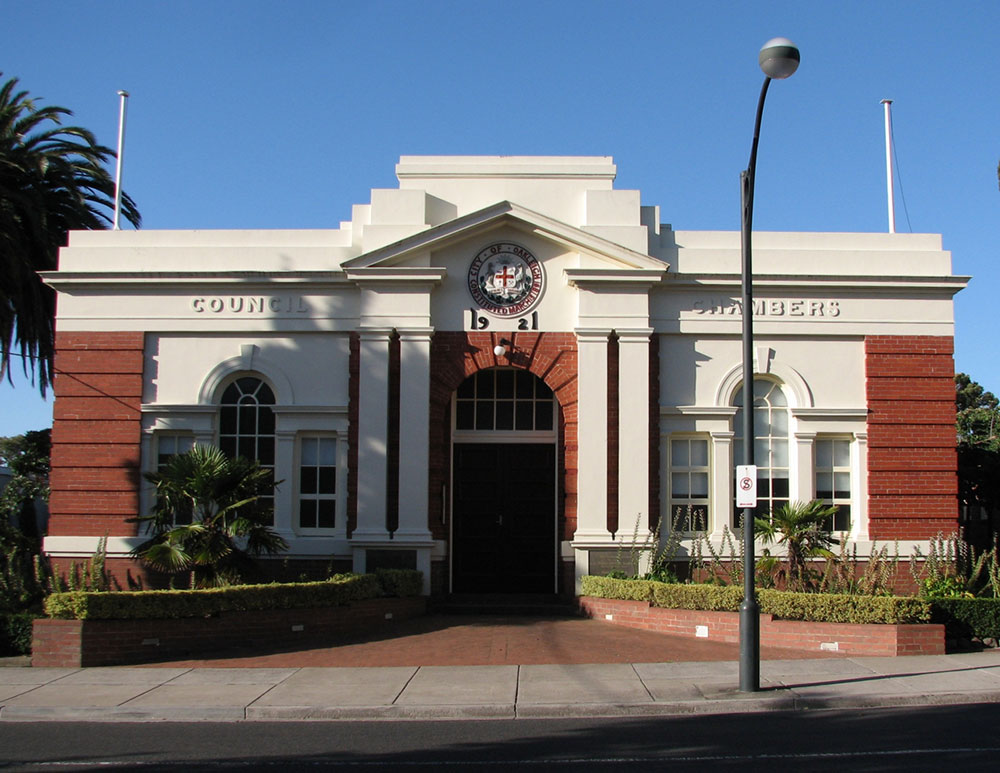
[257, 114]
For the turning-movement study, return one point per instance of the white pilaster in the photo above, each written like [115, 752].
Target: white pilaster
[592, 454]
[373, 427]
[285, 506]
[859, 478]
[414, 433]
[633, 431]
[721, 503]
[804, 489]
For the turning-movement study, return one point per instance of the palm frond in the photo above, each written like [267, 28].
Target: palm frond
[53, 179]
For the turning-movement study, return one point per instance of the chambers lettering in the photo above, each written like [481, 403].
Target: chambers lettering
[769, 307]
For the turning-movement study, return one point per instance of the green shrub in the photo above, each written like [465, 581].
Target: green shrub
[615, 588]
[966, 618]
[716, 598]
[136, 605]
[15, 633]
[786, 605]
[843, 608]
[400, 582]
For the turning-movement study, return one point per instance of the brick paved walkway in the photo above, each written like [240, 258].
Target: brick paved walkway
[463, 640]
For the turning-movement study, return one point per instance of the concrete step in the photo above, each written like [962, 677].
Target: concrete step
[505, 605]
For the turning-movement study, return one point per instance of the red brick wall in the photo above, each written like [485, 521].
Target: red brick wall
[551, 356]
[850, 639]
[912, 463]
[96, 433]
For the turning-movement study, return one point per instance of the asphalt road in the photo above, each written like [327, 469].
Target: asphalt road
[912, 739]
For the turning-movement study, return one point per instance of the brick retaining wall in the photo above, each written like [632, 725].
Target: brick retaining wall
[81, 643]
[846, 638]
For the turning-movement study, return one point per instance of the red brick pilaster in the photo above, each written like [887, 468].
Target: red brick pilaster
[96, 434]
[614, 417]
[912, 463]
[353, 414]
[654, 432]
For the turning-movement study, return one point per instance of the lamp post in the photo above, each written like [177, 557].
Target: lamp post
[779, 58]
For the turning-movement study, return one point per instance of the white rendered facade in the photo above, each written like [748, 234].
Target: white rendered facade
[345, 326]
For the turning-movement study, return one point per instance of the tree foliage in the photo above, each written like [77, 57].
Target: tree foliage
[211, 517]
[977, 426]
[804, 529]
[27, 456]
[21, 582]
[52, 181]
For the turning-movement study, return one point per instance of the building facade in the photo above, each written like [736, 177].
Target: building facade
[501, 370]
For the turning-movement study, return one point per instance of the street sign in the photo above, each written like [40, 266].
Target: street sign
[746, 485]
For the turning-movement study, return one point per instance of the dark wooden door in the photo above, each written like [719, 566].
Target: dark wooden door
[504, 518]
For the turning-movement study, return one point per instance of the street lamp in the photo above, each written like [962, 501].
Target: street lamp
[779, 58]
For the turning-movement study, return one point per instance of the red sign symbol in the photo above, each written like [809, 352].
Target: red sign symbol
[746, 483]
[506, 276]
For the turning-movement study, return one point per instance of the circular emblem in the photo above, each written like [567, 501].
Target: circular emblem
[505, 279]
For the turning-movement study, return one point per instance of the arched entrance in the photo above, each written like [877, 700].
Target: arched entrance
[503, 484]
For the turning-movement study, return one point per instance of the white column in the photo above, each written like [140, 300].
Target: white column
[633, 432]
[414, 433]
[373, 425]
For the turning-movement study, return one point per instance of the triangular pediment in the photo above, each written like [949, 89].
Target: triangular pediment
[504, 214]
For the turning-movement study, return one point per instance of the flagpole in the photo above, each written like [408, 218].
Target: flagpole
[888, 166]
[118, 165]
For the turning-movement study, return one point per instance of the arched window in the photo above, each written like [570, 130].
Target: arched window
[504, 399]
[770, 428]
[246, 421]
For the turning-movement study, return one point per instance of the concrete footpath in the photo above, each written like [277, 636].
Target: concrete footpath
[140, 694]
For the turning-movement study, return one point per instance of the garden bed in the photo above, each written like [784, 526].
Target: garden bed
[859, 639]
[78, 643]
[86, 628]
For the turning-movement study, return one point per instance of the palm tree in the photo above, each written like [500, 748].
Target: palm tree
[804, 529]
[52, 181]
[210, 517]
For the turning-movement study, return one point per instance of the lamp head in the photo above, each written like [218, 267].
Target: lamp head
[779, 58]
[499, 350]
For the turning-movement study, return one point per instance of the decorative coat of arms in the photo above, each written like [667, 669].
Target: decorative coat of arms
[505, 279]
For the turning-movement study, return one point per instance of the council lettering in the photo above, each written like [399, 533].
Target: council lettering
[250, 304]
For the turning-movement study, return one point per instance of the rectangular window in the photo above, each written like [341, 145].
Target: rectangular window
[833, 478]
[167, 447]
[318, 483]
[689, 480]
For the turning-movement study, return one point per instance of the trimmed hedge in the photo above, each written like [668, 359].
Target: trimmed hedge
[844, 608]
[400, 582]
[621, 590]
[968, 618]
[814, 607]
[139, 605]
[15, 633]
